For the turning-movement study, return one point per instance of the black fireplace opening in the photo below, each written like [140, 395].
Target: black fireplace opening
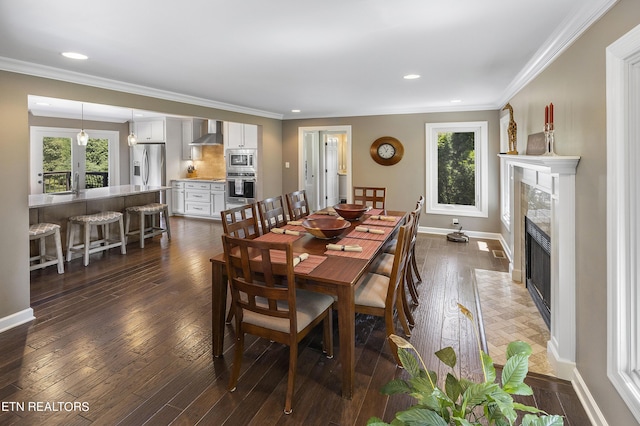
[538, 268]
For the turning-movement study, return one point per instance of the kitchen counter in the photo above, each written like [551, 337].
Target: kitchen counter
[45, 200]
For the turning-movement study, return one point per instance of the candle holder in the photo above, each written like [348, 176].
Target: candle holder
[549, 140]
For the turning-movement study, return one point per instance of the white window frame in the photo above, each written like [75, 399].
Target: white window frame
[623, 209]
[481, 138]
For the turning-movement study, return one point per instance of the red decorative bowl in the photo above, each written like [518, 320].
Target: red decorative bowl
[350, 211]
[325, 228]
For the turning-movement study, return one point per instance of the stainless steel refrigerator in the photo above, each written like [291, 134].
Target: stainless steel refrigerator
[148, 166]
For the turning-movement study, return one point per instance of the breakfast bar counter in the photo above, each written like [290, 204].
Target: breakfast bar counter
[57, 208]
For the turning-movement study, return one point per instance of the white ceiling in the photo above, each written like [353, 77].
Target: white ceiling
[327, 58]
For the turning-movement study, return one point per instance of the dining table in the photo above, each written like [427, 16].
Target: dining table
[329, 271]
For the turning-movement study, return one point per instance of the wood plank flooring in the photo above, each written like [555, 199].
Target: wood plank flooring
[128, 340]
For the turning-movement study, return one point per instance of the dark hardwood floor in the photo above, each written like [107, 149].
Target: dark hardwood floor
[128, 340]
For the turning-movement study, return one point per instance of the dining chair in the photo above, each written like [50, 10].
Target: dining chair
[382, 295]
[241, 222]
[280, 313]
[272, 213]
[369, 196]
[297, 204]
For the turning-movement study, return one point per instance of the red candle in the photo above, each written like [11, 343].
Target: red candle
[546, 114]
[551, 113]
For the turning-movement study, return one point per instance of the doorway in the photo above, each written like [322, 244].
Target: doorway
[56, 158]
[324, 158]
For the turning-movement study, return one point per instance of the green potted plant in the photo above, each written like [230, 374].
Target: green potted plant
[463, 402]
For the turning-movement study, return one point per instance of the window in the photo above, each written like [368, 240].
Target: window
[457, 163]
[55, 157]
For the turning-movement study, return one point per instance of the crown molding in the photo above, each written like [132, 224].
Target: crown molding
[567, 32]
[37, 70]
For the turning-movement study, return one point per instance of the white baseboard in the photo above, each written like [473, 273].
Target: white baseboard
[587, 400]
[472, 234]
[563, 369]
[16, 319]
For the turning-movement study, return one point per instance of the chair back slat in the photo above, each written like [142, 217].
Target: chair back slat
[400, 259]
[241, 222]
[297, 204]
[370, 196]
[272, 213]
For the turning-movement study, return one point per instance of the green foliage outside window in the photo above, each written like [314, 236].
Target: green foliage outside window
[456, 168]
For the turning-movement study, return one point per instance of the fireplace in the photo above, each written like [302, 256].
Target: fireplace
[538, 268]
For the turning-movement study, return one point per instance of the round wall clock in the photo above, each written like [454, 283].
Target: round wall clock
[386, 151]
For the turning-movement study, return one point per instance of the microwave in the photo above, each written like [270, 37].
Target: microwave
[244, 159]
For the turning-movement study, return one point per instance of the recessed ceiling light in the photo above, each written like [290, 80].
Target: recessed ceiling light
[411, 76]
[295, 110]
[456, 101]
[74, 55]
[43, 104]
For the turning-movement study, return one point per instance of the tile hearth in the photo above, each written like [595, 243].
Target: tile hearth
[508, 313]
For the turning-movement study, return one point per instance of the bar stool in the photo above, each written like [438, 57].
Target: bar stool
[103, 242]
[153, 210]
[40, 231]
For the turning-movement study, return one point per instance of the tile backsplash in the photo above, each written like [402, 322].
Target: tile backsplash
[211, 162]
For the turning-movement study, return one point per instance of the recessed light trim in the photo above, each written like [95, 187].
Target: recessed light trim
[75, 55]
[411, 76]
[456, 101]
[295, 110]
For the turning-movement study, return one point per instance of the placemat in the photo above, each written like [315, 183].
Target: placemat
[278, 238]
[369, 247]
[377, 222]
[369, 236]
[298, 228]
[304, 267]
[375, 211]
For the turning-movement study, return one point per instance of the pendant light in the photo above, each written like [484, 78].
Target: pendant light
[83, 137]
[131, 139]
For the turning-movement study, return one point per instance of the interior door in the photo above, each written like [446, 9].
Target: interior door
[310, 167]
[331, 170]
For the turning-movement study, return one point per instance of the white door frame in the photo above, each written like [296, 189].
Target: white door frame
[345, 129]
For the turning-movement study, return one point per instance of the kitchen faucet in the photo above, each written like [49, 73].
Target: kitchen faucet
[75, 185]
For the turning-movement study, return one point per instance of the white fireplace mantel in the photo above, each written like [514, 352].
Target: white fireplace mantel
[556, 176]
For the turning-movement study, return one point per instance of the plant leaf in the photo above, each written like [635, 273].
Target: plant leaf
[531, 420]
[401, 342]
[515, 371]
[395, 387]
[374, 421]
[521, 389]
[448, 356]
[466, 312]
[462, 421]
[518, 347]
[409, 362]
[452, 387]
[421, 416]
[489, 369]
[527, 408]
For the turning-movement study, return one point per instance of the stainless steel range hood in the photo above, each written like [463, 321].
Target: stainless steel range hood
[212, 134]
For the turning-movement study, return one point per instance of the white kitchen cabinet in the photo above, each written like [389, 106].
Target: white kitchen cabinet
[191, 130]
[150, 131]
[239, 135]
[217, 199]
[177, 197]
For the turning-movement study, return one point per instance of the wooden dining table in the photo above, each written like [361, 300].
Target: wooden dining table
[326, 271]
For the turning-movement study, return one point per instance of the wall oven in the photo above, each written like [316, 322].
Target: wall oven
[241, 187]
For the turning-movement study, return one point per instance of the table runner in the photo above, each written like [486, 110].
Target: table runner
[278, 238]
[368, 236]
[304, 267]
[377, 222]
[369, 247]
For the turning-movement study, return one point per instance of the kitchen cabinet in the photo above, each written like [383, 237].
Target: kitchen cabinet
[200, 198]
[150, 131]
[240, 135]
[191, 130]
[177, 197]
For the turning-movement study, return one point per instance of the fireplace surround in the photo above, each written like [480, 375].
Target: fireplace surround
[555, 176]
